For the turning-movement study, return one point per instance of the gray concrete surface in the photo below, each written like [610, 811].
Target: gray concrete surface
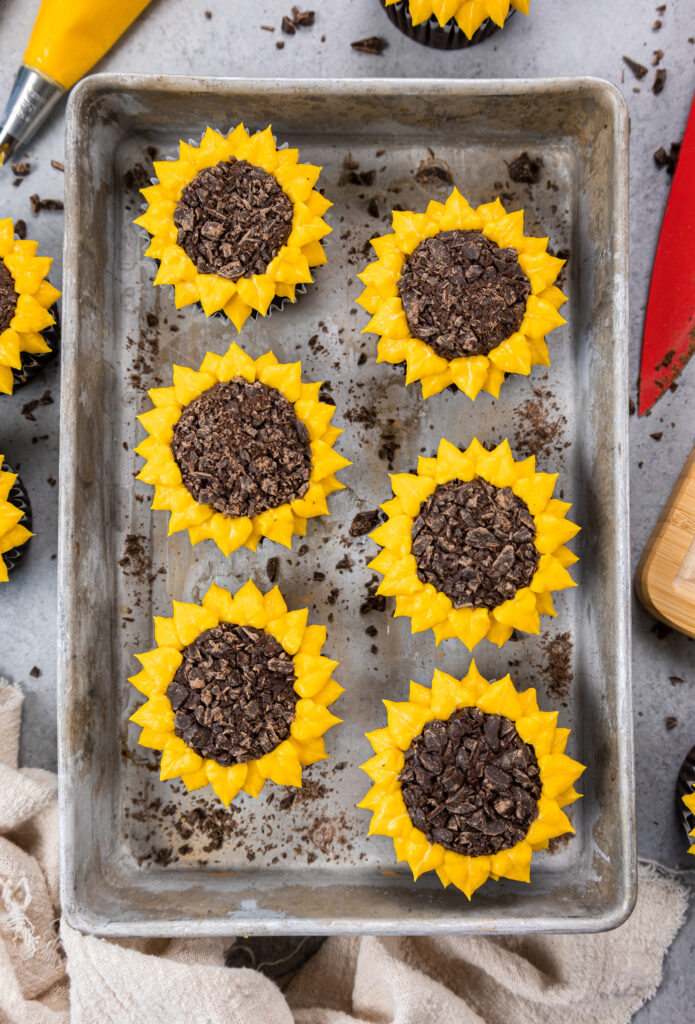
[561, 38]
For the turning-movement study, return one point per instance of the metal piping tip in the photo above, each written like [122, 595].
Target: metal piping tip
[31, 99]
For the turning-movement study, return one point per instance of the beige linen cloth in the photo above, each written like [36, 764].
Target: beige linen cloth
[569, 979]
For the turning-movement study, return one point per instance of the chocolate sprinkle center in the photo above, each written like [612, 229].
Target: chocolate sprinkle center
[233, 219]
[461, 294]
[471, 784]
[242, 449]
[8, 297]
[475, 543]
[233, 694]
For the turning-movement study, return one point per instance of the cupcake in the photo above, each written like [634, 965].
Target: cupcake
[461, 296]
[470, 778]
[235, 223]
[28, 331]
[240, 450]
[451, 24]
[15, 520]
[238, 692]
[473, 545]
[685, 797]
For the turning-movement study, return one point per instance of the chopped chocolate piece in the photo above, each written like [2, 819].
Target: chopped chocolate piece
[657, 58]
[35, 672]
[303, 19]
[152, 319]
[57, 165]
[668, 160]
[8, 297]
[287, 26]
[280, 45]
[471, 784]
[638, 70]
[271, 568]
[373, 45]
[657, 435]
[233, 694]
[433, 172]
[371, 631]
[38, 204]
[208, 15]
[656, 25]
[524, 169]
[462, 295]
[344, 563]
[475, 543]
[242, 449]
[135, 178]
[233, 219]
[659, 81]
[373, 208]
[22, 169]
[268, 28]
[20, 228]
[365, 522]
[319, 576]
[671, 722]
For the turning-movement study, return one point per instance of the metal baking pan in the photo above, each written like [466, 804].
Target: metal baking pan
[139, 857]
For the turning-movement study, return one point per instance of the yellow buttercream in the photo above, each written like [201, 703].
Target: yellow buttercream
[471, 374]
[202, 521]
[313, 684]
[12, 533]
[431, 609]
[35, 294]
[406, 720]
[291, 266]
[469, 14]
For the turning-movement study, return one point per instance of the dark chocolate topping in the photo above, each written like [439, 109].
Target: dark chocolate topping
[233, 219]
[8, 297]
[242, 449]
[475, 543]
[471, 784]
[461, 294]
[233, 694]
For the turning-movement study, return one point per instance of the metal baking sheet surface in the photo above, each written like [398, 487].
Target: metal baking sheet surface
[143, 857]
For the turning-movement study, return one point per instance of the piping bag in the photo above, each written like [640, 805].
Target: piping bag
[68, 38]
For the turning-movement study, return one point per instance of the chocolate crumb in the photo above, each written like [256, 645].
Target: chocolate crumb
[362, 359]
[373, 45]
[434, 173]
[344, 563]
[20, 229]
[57, 165]
[208, 15]
[365, 522]
[659, 81]
[35, 672]
[670, 722]
[287, 26]
[271, 568]
[303, 19]
[675, 680]
[371, 631]
[524, 169]
[557, 669]
[638, 70]
[152, 320]
[268, 28]
[657, 435]
[631, 407]
[656, 25]
[657, 58]
[38, 204]
[373, 208]
[319, 576]
[22, 168]
[668, 160]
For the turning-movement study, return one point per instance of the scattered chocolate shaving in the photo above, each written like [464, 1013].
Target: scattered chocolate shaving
[135, 178]
[638, 70]
[656, 25]
[242, 449]
[268, 28]
[657, 58]
[668, 160]
[38, 204]
[233, 219]
[462, 295]
[57, 165]
[524, 169]
[470, 783]
[557, 669]
[373, 208]
[20, 228]
[22, 168]
[280, 45]
[233, 694]
[365, 522]
[271, 568]
[670, 722]
[303, 19]
[657, 435]
[475, 543]
[373, 45]
[35, 672]
[434, 173]
[344, 563]
[659, 81]
[631, 407]
[287, 26]
[8, 297]
[136, 561]
[208, 15]
[351, 174]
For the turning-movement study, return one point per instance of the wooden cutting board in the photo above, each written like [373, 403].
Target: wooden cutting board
[665, 578]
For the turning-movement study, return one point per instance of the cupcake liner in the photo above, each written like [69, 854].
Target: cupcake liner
[18, 496]
[685, 786]
[34, 363]
[431, 33]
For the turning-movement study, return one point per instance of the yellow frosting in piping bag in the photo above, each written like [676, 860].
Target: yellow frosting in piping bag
[70, 36]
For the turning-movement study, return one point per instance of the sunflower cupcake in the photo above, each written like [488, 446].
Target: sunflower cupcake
[451, 24]
[28, 331]
[470, 778]
[238, 692]
[461, 296]
[473, 545]
[240, 450]
[15, 520]
[235, 223]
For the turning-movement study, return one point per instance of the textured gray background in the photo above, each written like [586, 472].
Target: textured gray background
[561, 38]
